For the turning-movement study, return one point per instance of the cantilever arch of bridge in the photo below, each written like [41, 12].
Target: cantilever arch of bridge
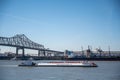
[20, 41]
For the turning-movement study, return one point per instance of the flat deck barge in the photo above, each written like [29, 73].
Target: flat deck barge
[58, 64]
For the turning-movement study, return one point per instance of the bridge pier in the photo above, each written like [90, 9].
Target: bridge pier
[38, 52]
[16, 51]
[43, 52]
[23, 51]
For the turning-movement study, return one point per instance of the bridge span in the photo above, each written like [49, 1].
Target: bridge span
[21, 42]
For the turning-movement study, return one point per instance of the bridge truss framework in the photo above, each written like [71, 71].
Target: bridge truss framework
[21, 42]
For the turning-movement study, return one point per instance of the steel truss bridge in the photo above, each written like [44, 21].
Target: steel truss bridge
[21, 42]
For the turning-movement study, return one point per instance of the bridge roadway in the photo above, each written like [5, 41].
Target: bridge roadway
[21, 42]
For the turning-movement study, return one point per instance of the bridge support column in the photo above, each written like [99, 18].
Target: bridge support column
[17, 51]
[23, 51]
[38, 52]
[44, 52]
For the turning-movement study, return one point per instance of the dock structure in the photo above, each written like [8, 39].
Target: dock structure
[21, 42]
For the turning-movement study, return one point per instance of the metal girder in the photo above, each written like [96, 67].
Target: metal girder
[20, 41]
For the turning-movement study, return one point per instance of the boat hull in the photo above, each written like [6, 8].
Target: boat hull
[54, 66]
[63, 66]
[59, 65]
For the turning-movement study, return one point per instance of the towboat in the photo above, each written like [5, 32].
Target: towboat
[29, 62]
[59, 64]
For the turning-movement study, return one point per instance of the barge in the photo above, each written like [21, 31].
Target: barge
[59, 64]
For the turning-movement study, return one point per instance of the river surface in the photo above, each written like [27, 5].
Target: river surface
[106, 70]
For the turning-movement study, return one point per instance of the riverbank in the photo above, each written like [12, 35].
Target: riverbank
[59, 58]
